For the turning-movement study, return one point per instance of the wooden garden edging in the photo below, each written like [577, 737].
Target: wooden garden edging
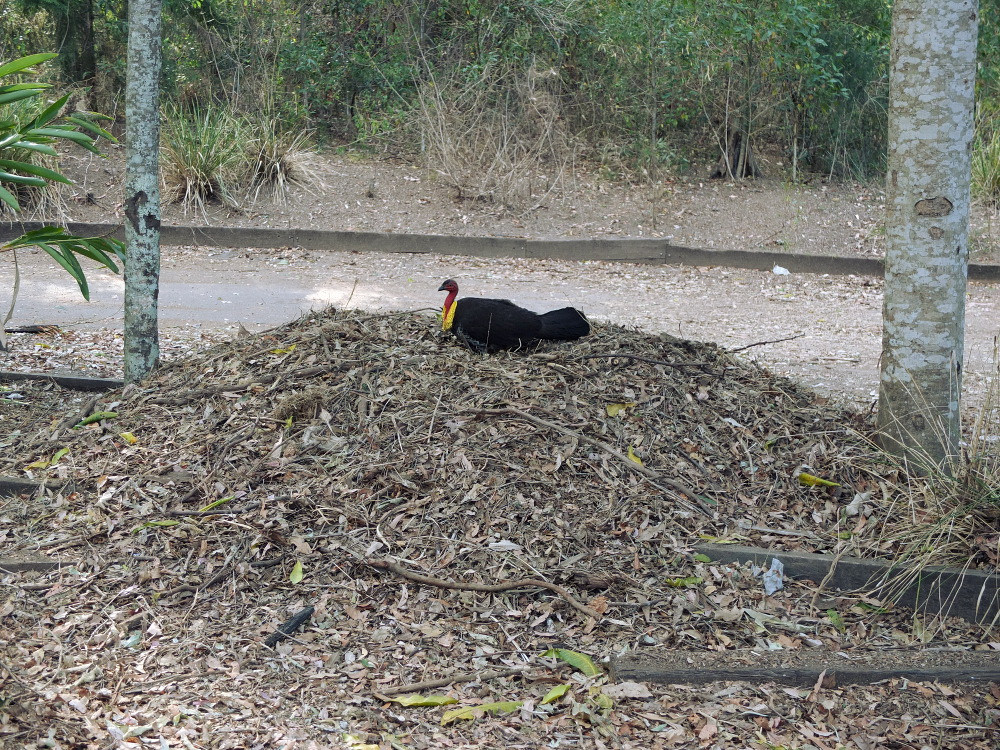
[619, 250]
[12, 486]
[73, 382]
[805, 667]
[30, 566]
[970, 594]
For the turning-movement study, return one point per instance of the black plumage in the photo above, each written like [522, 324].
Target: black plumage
[489, 325]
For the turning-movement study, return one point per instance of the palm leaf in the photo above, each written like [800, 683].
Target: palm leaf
[21, 179]
[7, 197]
[71, 264]
[86, 123]
[35, 169]
[8, 96]
[21, 63]
[48, 114]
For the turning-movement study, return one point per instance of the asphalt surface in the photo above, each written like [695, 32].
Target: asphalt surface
[832, 323]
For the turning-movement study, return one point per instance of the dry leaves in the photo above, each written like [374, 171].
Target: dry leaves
[272, 473]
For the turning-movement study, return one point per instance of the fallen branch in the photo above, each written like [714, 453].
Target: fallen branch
[211, 512]
[671, 486]
[191, 589]
[416, 687]
[482, 587]
[78, 416]
[202, 393]
[290, 626]
[762, 343]
[637, 358]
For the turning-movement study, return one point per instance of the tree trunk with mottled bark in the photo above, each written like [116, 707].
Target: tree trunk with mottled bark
[933, 71]
[142, 189]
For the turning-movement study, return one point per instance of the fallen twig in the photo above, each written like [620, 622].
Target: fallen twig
[637, 358]
[188, 588]
[482, 587]
[653, 477]
[416, 687]
[77, 416]
[762, 343]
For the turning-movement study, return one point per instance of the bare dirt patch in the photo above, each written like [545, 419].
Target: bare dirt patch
[392, 195]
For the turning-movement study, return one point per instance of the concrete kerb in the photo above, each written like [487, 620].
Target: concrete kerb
[602, 249]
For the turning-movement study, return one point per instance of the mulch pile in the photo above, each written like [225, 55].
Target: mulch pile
[440, 512]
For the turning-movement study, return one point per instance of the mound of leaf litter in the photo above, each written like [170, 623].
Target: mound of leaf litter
[446, 515]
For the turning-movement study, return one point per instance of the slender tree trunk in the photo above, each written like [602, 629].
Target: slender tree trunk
[73, 21]
[933, 71]
[87, 65]
[142, 189]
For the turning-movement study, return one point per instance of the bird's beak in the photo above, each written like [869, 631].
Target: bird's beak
[441, 288]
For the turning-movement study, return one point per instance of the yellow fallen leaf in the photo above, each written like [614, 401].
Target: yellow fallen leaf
[633, 457]
[603, 701]
[469, 713]
[614, 410]
[165, 524]
[296, 575]
[555, 693]
[97, 416]
[575, 659]
[216, 503]
[811, 481]
[289, 350]
[43, 464]
[424, 700]
[129, 438]
[357, 743]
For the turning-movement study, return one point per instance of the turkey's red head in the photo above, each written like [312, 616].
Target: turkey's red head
[448, 311]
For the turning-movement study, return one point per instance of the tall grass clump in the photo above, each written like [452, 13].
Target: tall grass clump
[986, 165]
[950, 516]
[278, 159]
[204, 154]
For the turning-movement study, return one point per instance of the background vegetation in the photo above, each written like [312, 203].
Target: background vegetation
[485, 88]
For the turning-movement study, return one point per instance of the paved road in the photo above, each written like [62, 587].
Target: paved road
[837, 320]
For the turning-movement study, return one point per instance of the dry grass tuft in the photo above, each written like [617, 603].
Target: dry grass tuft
[499, 138]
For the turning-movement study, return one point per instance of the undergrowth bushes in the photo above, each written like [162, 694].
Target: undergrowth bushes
[642, 86]
[499, 138]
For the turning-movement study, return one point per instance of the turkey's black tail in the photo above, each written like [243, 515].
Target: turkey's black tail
[564, 324]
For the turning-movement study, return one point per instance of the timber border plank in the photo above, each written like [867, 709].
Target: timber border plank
[31, 566]
[13, 486]
[636, 250]
[973, 595]
[73, 382]
[802, 668]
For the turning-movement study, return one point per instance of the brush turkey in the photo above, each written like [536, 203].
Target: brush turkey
[489, 325]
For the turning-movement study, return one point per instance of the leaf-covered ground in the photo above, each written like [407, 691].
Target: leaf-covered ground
[446, 516]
